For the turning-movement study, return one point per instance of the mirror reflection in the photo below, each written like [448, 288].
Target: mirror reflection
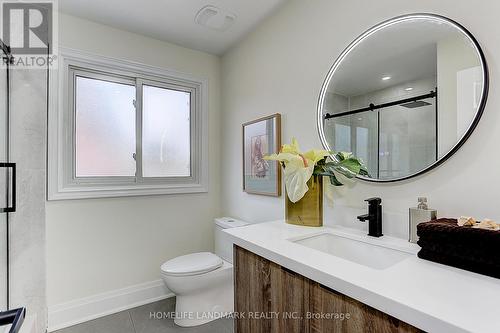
[404, 96]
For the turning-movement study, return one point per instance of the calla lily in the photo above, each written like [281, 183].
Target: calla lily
[291, 148]
[316, 155]
[297, 172]
[299, 167]
[296, 177]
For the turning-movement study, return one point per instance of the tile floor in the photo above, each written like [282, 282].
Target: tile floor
[137, 320]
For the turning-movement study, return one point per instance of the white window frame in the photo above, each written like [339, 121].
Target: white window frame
[62, 181]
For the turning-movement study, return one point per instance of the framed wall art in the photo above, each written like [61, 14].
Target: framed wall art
[262, 137]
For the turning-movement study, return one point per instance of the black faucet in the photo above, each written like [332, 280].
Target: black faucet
[374, 217]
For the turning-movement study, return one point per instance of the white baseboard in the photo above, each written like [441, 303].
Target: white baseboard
[89, 308]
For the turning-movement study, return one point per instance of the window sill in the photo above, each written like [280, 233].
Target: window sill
[123, 191]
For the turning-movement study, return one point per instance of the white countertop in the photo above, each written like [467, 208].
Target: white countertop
[430, 296]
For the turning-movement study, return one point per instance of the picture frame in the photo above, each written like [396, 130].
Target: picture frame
[262, 137]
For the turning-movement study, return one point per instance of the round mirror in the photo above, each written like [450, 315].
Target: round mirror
[404, 96]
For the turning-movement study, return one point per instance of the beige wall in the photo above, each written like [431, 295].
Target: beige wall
[99, 245]
[281, 66]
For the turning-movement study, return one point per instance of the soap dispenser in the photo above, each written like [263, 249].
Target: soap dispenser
[420, 214]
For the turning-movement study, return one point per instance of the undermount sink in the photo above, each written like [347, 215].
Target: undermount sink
[360, 252]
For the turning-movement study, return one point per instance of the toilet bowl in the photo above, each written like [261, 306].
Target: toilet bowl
[203, 292]
[203, 282]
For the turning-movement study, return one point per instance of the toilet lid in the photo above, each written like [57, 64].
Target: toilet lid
[192, 264]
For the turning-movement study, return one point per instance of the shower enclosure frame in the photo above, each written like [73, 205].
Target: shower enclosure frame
[12, 317]
[6, 58]
[373, 107]
[380, 107]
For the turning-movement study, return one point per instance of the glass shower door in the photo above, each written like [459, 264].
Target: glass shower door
[408, 138]
[11, 320]
[5, 184]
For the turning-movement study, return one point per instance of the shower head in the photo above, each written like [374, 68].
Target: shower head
[415, 104]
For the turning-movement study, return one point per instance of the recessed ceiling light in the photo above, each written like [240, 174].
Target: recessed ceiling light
[385, 78]
[409, 89]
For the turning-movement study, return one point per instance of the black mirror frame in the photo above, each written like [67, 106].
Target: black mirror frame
[369, 32]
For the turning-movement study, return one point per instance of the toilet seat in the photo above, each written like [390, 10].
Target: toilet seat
[203, 282]
[192, 264]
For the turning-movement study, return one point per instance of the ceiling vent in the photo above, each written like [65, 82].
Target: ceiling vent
[215, 18]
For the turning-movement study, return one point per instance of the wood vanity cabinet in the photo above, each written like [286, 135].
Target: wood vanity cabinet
[271, 298]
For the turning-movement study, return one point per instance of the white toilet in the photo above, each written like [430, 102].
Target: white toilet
[203, 282]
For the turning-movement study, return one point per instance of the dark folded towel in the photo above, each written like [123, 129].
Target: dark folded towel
[473, 249]
[490, 269]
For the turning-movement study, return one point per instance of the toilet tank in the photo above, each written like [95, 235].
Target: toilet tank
[223, 244]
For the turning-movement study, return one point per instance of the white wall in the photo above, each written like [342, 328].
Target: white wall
[281, 66]
[453, 56]
[100, 245]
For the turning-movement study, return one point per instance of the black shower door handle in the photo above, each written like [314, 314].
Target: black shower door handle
[12, 196]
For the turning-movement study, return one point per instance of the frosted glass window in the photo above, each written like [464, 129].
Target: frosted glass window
[131, 130]
[105, 128]
[166, 140]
